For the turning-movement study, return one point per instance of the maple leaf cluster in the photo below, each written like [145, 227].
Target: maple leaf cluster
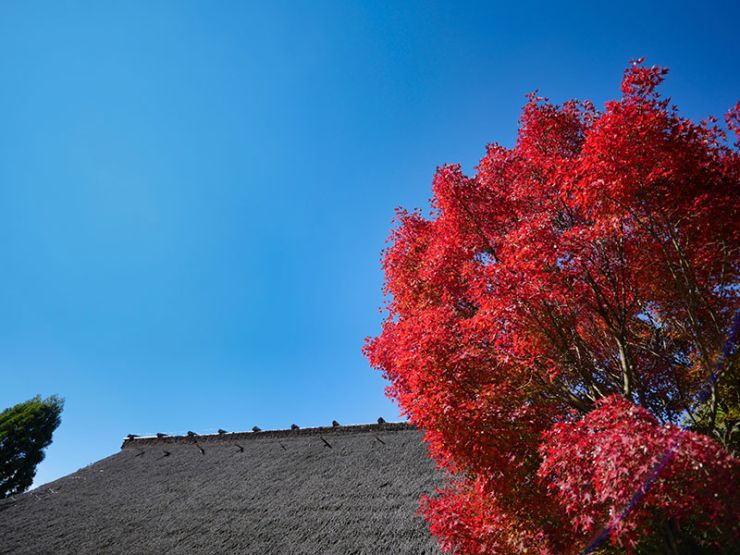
[559, 317]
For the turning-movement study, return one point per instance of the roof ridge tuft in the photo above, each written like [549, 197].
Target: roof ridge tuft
[134, 440]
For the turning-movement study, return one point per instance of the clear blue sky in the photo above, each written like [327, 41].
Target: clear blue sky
[194, 195]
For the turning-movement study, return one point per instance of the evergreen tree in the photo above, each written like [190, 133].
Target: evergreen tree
[25, 431]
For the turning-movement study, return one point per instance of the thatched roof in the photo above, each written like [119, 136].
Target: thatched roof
[349, 489]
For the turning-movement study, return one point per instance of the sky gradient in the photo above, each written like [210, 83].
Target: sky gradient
[195, 195]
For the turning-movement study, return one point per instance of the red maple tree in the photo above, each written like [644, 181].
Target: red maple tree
[558, 327]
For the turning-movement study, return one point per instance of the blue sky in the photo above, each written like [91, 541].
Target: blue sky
[194, 195]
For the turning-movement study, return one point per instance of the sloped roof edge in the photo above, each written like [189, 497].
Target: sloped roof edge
[246, 436]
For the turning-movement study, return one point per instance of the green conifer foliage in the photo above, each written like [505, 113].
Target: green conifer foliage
[25, 431]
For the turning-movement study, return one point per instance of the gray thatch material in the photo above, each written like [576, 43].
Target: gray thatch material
[347, 489]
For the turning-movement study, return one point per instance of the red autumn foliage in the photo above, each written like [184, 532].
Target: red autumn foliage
[617, 446]
[557, 318]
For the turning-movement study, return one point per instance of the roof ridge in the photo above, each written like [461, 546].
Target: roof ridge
[264, 434]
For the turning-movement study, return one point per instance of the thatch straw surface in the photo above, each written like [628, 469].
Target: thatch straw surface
[324, 490]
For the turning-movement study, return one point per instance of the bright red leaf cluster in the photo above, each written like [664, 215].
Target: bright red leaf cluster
[560, 314]
[618, 446]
